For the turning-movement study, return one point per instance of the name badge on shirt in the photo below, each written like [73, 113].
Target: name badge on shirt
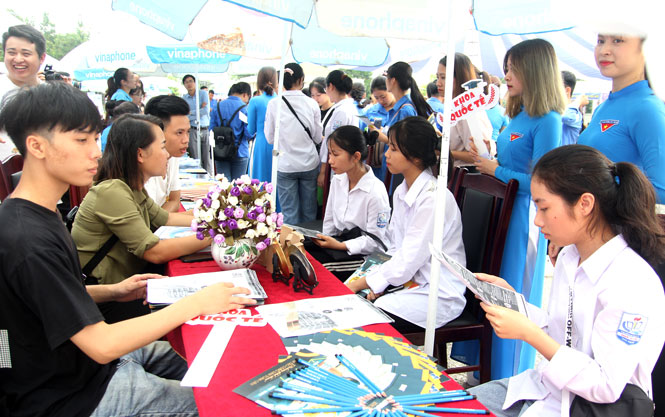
[515, 136]
[606, 124]
[382, 219]
[631, 328]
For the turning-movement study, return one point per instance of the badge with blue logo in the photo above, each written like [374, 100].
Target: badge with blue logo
[631, 328]
[382, 219]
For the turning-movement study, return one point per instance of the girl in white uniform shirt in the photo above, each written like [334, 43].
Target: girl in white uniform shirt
[298, 163]
[411, 153]
[606, 321]
[357, 198]
[343, 112]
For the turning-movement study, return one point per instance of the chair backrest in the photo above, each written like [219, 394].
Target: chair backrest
[10, 166]
[76, 195]
[486, 204]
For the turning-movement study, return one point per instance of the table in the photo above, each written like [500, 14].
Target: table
[252, 350]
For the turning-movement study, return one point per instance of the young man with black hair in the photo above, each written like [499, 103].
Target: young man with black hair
[57, 355]
[573, 117]
[173, 112]
[239, 95]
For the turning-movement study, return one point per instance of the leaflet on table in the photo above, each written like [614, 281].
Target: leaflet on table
[305, 232]
[313, 315]
[171, 232]
[487, 292]
[169, 290]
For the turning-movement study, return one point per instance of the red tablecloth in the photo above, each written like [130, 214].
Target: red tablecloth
[252, 350]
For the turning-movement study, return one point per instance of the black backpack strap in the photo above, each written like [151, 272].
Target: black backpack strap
[327, 118]
[101, 253]
[219, 113]
[298, 118]
[235, 113]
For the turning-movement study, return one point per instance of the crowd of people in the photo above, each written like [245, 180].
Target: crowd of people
[76, 337]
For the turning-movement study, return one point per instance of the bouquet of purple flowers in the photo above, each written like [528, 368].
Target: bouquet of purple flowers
[241, 209]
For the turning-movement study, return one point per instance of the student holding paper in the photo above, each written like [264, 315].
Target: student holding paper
[535, 103]
[411, 153]
[57, 355]
[605, 324]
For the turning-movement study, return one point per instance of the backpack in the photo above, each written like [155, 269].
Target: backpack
[226, 143]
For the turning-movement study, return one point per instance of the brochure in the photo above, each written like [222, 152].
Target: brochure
[487, 292]
[305, 232]
[170, 232]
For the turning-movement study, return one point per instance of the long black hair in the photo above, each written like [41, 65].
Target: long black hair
[342, 82]
[292, 73]
[119, 161]
[625, 199]
[401, 72]
[416, 139]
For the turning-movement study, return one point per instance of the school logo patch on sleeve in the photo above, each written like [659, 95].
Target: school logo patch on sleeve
[631, 328]
[515, 136]
[606, 124]
[382, 219]
[336, 124]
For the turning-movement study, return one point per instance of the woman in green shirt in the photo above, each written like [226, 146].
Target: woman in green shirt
[118, 205]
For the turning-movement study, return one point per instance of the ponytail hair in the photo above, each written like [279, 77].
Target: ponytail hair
[351, 139]
[625, 199]
[401, 72]
[114, 83]
[264, 80]
[342, 82]
[292, 73]
[416, 139]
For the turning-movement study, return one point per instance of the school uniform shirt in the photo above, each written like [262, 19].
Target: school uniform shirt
[377, 111]
[411, 230]
[297, 149]
[365, 206]
[121, 95]
[435, 104]
[341, 113]
[618, 330]
[159, 188]
[630, 127]
[572, 124]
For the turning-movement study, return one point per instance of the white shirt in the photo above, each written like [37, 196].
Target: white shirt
[613, 288]
[366, 206]
[159, 188]
[462, 131]
[411, 230]
[297, 150]
[7, 90]
[341, 113]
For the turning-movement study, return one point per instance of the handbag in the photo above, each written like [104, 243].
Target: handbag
[633, 402]
[226, 145]
[348, 234]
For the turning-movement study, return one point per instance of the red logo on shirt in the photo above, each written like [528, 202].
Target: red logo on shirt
[606, 124]
[515, 136]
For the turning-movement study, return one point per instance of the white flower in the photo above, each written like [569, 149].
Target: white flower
[246, 179]
[214, 196]
[259, 202]
[269, 220]
[243, 224]
[251, 234]
[224, 184]
[221, 216]
[215, 204]
[272, 235]
[262, 229]
[198, 203]
[233, 200]
[209, 216]
[220, 177]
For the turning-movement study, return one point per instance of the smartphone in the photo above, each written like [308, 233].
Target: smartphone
[378, 123]
[197, 257]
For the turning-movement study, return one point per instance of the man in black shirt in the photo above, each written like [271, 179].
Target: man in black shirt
[57, 355]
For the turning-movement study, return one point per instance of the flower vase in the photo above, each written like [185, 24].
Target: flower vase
[242, 254]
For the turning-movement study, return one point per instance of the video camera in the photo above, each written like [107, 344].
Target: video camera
[50, 75]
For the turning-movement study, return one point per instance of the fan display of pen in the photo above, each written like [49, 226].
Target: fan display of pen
[314, 385]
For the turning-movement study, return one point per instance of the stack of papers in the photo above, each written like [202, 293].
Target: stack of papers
[167, 291]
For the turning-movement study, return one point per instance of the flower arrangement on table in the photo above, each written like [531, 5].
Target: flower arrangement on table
[239, 216]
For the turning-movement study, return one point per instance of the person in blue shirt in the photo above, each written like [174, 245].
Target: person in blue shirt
[630, 125]
[378, 113]
[197, 143]
[535, 103]
[399, 81]
[496, 114]
[213, 102]
[119, 86]
[115, 110]
[256, 115]
[221, 115]
[573, 117]
[433, 98]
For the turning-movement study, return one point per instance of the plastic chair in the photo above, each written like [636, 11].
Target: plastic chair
[10, 170]
[486, 205]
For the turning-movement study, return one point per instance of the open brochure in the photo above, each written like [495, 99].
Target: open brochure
[169, 290]
[487, 292]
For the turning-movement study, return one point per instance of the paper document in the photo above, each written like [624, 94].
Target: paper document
[487, 292]
[170, 290]
[170, 232]
[242, 116]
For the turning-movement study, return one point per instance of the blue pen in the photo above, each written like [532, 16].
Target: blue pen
[317, 394]
[317, 410]
[441, 400]
[369, 384]
[330, 386]
[414, 410]
[310, 399]
[329, 376]
[432, 395]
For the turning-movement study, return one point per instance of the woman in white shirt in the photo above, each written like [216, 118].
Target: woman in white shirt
[300, 132]
[411, 152]
[343, 112]
[357, 200]
[605, 324]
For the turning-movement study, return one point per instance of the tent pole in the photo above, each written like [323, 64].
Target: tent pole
[288, 31]
[442, 184]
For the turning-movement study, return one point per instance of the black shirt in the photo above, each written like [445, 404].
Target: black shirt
[43, 303]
